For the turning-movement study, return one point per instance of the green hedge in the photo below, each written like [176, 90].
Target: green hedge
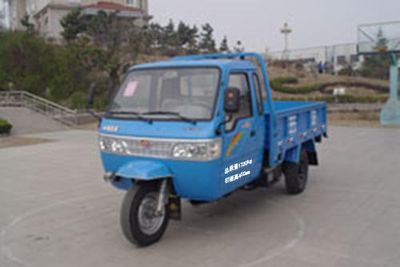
[339, 99]
[278, 85]
[287, 80]
[5, 127]
[359, 99]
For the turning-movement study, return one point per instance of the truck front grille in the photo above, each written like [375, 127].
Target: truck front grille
[145, 147]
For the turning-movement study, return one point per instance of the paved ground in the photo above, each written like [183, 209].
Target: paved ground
[13, 141]
[26, 121]
[56, 211]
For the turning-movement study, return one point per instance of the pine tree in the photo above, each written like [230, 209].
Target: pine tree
[207, 41]
[224, 47]
[169, 35]
[193, 36]
[73, 24]
[183, 34]
[377, 65]
[153, 36]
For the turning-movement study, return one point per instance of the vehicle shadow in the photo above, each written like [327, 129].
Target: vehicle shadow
[238, 208]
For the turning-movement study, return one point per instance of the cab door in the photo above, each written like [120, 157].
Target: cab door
[243, 136]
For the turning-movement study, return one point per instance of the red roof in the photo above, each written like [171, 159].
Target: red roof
[113, 6]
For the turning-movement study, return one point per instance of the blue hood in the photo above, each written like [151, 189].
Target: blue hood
[158, 129]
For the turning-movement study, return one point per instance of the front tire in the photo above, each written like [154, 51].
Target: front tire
[139, 221]
[296, 175]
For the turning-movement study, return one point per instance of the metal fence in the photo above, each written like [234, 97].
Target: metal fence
[43, 106]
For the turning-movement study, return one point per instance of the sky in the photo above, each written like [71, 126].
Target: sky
[257, 23]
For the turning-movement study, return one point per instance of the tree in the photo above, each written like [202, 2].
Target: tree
[169, 36]
[100, 44]
[207, 41]
[224, 47]
[136, 43]
[183, 34]
[98, 48]
[27, 24]
[193, 36]
[73, 24]
[187, 37]
[381, 43]
[152, 36]
[111, 48]
[377, 65]
[106, 44]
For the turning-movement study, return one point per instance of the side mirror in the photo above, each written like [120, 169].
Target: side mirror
[91, 95]
[232, 100]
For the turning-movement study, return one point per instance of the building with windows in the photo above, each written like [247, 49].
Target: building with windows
[46, 14]
[11, 12]
[337, 56]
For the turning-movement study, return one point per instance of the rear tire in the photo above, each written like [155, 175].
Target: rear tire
[140, 225]
[296, 175]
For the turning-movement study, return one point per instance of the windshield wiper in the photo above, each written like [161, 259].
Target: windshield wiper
[137, 114]
[183, 118]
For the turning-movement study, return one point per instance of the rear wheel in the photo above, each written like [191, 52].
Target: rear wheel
[140, 222]
[296, 174]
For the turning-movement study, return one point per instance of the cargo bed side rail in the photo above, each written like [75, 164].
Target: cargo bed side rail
[300, 127]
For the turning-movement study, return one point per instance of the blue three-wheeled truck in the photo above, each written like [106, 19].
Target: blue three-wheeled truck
[198, 128]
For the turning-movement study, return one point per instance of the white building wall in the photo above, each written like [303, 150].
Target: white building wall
[34, 6]
[4, 14]
[54, 26]
[47, 20]
[143, 4]
[17, 11]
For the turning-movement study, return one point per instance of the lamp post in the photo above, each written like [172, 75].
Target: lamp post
[286, 31]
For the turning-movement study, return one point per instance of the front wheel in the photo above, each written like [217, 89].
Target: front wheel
[296, 174]
[140, 222]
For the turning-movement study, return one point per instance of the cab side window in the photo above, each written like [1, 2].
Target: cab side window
[257, 87]
[240, 81]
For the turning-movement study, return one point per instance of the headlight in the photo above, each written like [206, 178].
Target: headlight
[112, 145]
[198, 150]
[207, 150]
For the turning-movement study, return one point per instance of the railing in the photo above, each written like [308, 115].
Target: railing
[50, 109]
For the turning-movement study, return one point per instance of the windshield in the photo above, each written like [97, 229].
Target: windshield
[181, 93]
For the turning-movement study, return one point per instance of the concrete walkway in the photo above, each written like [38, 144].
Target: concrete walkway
[26, 121]
[57, 212]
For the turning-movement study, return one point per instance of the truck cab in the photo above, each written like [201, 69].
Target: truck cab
[199, 128]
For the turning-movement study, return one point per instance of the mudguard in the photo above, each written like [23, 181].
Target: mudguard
[293, 155]
[143, 170]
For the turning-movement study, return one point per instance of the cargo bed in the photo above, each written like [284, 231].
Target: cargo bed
[296, 124]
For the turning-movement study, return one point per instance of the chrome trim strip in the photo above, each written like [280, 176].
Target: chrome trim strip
[159, 139]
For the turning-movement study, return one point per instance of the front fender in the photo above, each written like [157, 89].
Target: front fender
[143, 170]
